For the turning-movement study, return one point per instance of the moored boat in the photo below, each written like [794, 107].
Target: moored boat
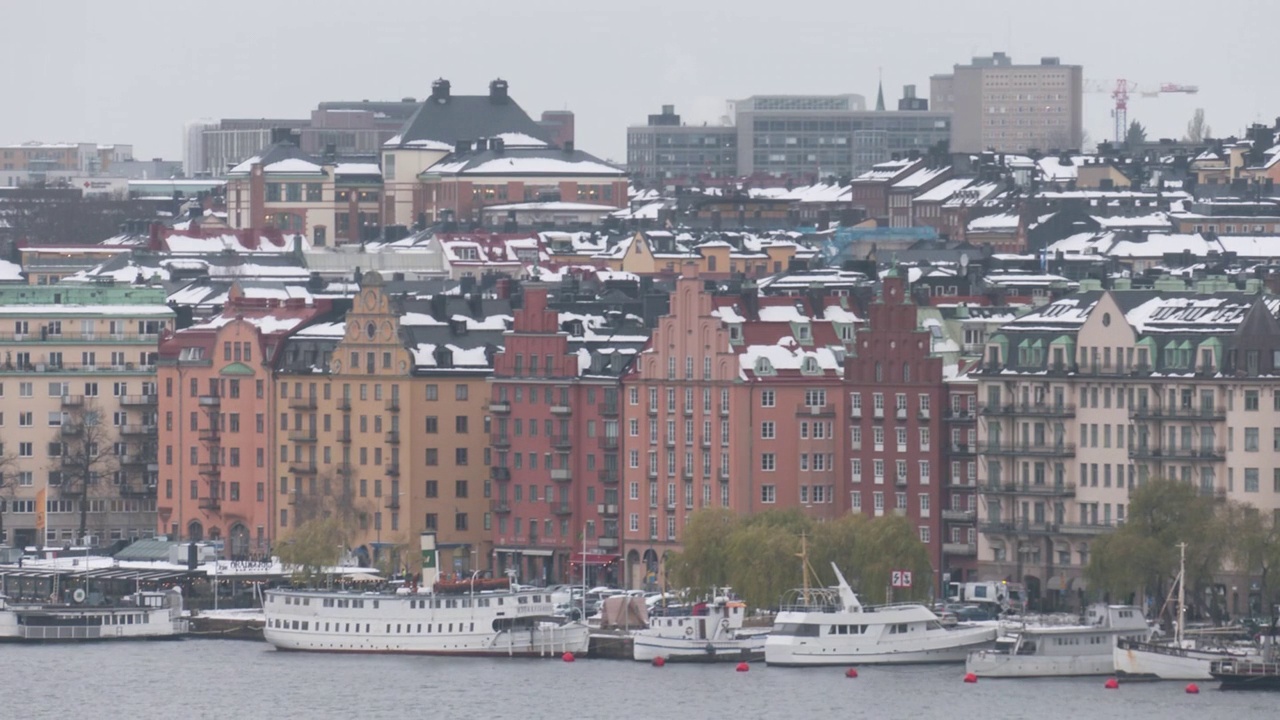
[448, 619]
[1246, 674]
[713, 633]
[829, 626]
[1064, 650]
[140, 616]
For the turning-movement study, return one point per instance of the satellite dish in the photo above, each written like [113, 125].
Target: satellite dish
[964, 261]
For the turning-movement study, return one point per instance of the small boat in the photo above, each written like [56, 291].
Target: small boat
[144, 615]
[829, 626]
[452, 618]
[1246, 674]
[1181, 659]
[1062, 650]
[713, 633]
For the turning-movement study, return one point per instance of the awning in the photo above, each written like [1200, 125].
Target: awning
[1078, 584]
[594, 558]
[1057, 583]
[526, 551]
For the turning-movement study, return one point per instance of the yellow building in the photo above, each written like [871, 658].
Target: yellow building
[78, 419]
[384, 425]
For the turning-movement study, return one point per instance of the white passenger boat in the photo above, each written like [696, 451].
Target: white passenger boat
[829, 626]
[471, 617]
[1064, 650]
[713, 633]
[140, 616]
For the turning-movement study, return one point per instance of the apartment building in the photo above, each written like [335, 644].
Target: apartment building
[557, 442]
[735, 402]
[666, 152]
[995, 104]
[385, 426]
[217, 405]
[1088, 397]
[78, 383]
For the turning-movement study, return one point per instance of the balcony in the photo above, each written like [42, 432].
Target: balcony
[501, 474]
[1053, 410]
[344, 404]
[924, 413]
[724, 411]
[1219, 494]
[653, 473]
[856, 413]
[302, 436]
[345, 470]
[1086, 529]
[1202, 454]
[900, 481]
[210, 469]
[1202, 414]
[134, 460]
[500, 408]
[959, 416]
[608, 476]
[561, 474]
[607, 543]
[560, 509]
[501, 441]
[1019, 528]
[392, 469]
[393, 437]
[671, 507]
[900, 413]
[706, 442]
[302, 403]
[608, 510]
[724, 475]
[609, 410]
[138, 430]
[877, 413]
[303, 468]
[344, 437]
[72, 400]
[561, 442]
[131, 490]
[805, 410]
[608, 442]
[393, 405]
[499, 507]
[960, 449]
[72, 429]
[1030, 449]
[653, 409]
[209, 503]
[138, 400]
[1064, 490]
[208, 434]
[209, 401]
[393, 502]
[960, 515]
[960, 549]
[561, 410]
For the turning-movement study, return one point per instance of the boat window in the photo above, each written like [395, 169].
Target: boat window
[798, 629]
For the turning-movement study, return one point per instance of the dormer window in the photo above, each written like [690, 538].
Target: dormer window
[810, 366]
[763, 366]
[735, 333]
[804, 333]
[846, 333]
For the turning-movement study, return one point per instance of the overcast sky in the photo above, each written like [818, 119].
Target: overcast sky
[136, 71]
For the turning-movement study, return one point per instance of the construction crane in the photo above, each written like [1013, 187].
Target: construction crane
[1123, 89]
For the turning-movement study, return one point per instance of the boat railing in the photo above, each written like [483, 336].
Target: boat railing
[891, 606]
[1245, 667]
[60, 632]
[823, 600]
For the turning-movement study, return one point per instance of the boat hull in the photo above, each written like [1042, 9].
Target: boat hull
[951, 647]
[1165, 663]
[989, 664]
[540, 642]
[646, 648]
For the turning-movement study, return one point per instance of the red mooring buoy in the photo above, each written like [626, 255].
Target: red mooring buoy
[659, 661]
[568, 657]
[743, 667]
[851, 673]
[1111, 684]
[1193, 689]
[970, 678]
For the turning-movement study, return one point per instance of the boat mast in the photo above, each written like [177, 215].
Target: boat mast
[804, 566]
[1182, 593]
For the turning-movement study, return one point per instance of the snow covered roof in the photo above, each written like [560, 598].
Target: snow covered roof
[1000, 222]
[920, 177]
[518, 161]
[357, 169]
[943, 190]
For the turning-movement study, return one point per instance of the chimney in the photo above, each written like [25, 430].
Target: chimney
[283, 135]
[462, 147]
[568, 147]
[497, 145]
[481, 145]
[498, 92]
[440, 91]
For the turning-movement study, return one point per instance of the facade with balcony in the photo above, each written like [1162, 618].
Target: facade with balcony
[218, 426]
[78, 376]
[1085, 399]
[737, 401]
[557, 444]
[382, 423]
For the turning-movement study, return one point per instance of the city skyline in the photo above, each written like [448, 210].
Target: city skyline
[664, 58]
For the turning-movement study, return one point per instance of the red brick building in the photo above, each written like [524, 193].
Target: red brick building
[556, 445]
[735, 402]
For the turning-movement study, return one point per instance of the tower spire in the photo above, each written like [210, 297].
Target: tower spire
[880, 91]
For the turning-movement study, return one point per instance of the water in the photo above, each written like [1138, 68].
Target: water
[238, 680]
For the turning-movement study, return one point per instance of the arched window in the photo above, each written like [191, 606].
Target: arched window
[906, 372]
[879, 372]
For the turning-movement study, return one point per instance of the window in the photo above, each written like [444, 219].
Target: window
[767, 398]
[768, 494]
[1251, 439]
[768, 462]
[767, 430]
[1251, 400]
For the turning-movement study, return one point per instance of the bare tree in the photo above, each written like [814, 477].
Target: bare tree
[9, 481]
[87, 456]
[1197, 130]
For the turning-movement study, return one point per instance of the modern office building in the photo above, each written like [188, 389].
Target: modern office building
[664, 151]
[998, 105]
